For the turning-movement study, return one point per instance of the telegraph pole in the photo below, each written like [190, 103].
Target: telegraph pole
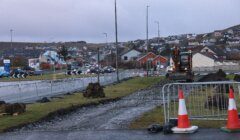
[106, 37]
[116, 35]
[11, 32]
[147, 37]
[157, 22]
[98, 77]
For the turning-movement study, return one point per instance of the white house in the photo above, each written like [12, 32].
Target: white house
[201, 60]
[193, 43]
[211, 62]
[207, 50]
[51, 57]
[130, 55]
[34, 63]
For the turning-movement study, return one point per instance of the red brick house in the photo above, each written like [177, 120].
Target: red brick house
[159, 60]
[155, 59]
[148, 57]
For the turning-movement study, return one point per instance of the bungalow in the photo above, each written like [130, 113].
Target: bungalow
[211, 62]
[155, 60]
[206, 59]
[159, 61]
[214, 50]
[130, 55]
[145, 58]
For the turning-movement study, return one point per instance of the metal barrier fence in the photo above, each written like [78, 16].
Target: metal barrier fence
[32, 91]
[204, 100]
[228, 68]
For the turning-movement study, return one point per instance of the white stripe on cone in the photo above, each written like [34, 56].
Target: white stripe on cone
[182, 107]
[232, 104]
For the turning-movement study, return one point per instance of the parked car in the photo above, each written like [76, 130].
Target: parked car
[109, 69]
[38, 72]
[96, 70]
[29, 70]
[4, 74]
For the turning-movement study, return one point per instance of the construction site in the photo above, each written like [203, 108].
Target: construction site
[140, 104]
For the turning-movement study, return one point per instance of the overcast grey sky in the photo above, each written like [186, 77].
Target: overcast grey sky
[72, 20]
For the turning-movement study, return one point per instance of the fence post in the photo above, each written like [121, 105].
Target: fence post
[36, 88]
[19, 88]
[51, 82]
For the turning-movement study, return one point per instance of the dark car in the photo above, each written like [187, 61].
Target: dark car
[38, 72]
[96, 70]
[29, 70]
[109, 69]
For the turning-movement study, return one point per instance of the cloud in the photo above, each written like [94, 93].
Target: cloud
[64, 20]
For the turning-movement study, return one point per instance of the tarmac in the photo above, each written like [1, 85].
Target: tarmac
[202, 134]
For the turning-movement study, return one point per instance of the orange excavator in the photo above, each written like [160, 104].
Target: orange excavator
[182, 66]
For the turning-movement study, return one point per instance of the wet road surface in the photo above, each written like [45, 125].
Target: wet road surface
[202, 134]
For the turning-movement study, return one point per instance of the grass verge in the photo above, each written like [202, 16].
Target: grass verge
[156, 117]
[39, 111]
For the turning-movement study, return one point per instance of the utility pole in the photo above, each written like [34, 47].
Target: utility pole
[157, 22]
[11, 32]
[147, 37]
[98, 79]
[106, 37]
[116, 35]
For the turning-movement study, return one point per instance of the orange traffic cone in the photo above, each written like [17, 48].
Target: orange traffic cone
[183, 120]
[233, 122]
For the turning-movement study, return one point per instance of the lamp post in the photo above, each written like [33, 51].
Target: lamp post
[11, 33]
[157, 22]
[116, 35]
[147, 36]
[98, 57]
[106, 37]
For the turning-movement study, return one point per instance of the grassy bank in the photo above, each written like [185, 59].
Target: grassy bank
[156, 117]
[38, 111]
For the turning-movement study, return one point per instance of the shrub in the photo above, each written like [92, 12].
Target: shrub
[94, 90]
[237, 78]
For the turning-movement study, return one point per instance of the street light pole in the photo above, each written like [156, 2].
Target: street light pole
[98, 78]
[116, 35]
[157, 22]
[106, 37]
[147, 36]
[11, 32]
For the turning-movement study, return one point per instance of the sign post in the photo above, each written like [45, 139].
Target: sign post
[7, 65]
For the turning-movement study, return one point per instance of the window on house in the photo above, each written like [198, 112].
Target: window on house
[125, 58]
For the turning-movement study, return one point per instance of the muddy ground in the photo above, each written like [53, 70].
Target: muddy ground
[113, 115]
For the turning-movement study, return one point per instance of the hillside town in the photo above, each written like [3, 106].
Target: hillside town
[119, 70]
[211, 51]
